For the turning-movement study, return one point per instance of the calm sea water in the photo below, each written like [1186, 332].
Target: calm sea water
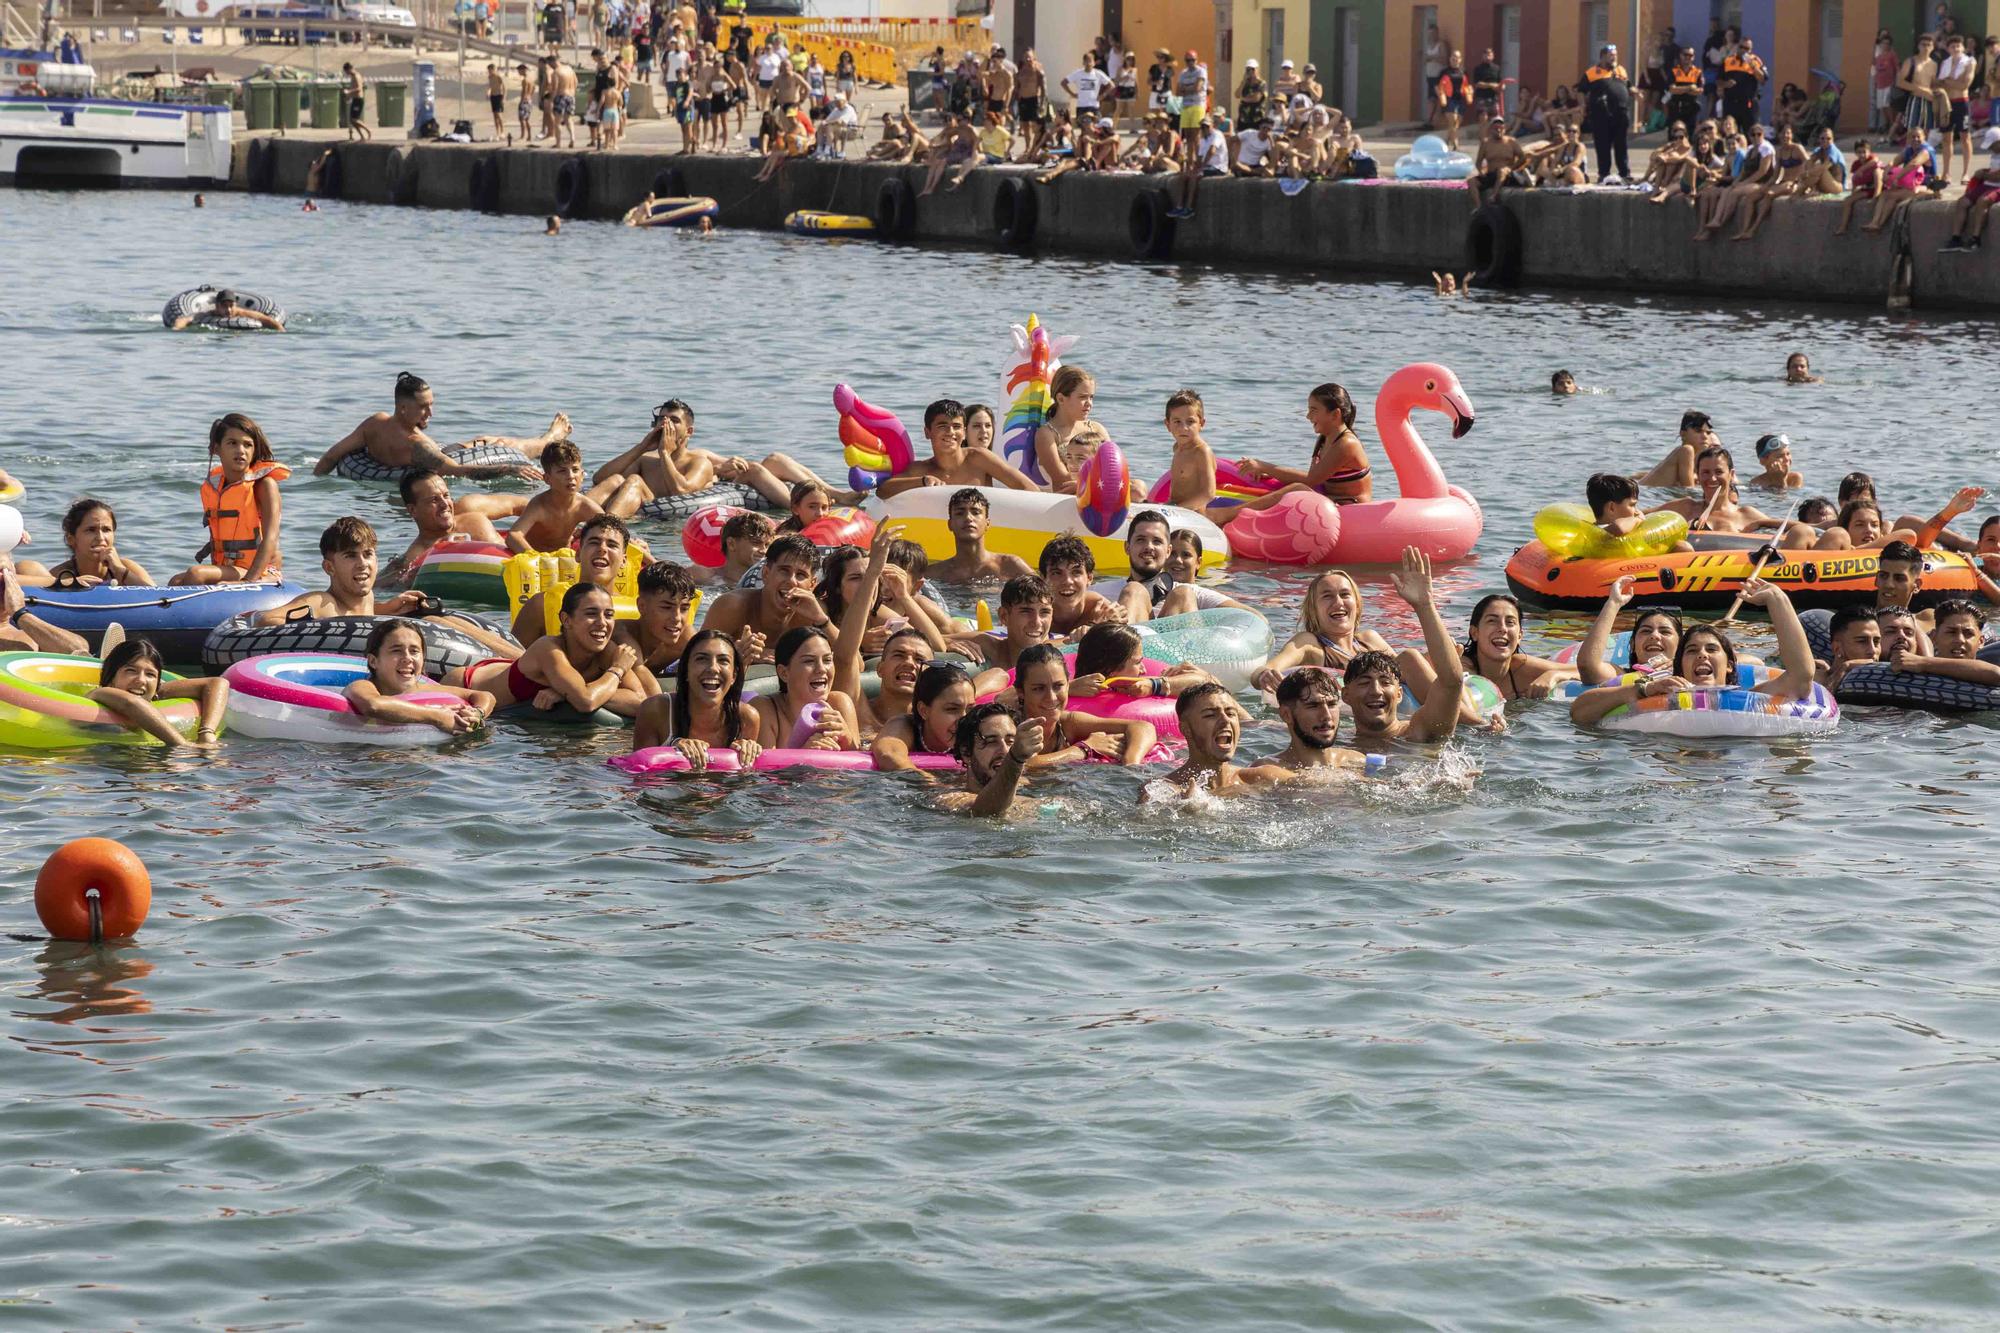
[1547, 1030]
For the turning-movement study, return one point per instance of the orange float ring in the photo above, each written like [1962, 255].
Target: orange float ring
[124, 890]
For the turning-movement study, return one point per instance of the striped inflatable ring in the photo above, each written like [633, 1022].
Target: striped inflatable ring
[668, 759]
[1728, 713]
[43, 705]
[464, 572]
[362, 466]
[298, 697]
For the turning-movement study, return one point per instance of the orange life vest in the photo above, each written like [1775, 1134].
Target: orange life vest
[235, 527]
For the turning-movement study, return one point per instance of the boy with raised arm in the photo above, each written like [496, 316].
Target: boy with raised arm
[995, 745]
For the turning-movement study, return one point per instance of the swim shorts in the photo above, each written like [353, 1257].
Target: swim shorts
[1191, 114]
[498, 101]
[1028, 109]
[1961, 117]
[565, 106]
[354, 109]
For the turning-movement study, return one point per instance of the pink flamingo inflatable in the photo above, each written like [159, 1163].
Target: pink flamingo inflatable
[1443, 521]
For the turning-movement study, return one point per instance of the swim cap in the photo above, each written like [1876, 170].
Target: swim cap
[1770, 444]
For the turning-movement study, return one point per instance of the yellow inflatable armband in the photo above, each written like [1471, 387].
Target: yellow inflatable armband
[1569, 531]
[554, 573]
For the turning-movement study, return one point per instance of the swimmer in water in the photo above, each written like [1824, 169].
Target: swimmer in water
[1614, 505]
[1111, 659]
[942, 696]
[804, 658]
[582, 664]
[1562, 384]
[1184, 553]
[968, 515]
[1775, 453]
[1026, 612]
[1707, 660]
[347, 554]
[881, 605]
[1330, 632]
[1072, 393]
[1150, 592]
[665, 463]
[395, 654]
[665, 624]
[1956, 637]
[1212, 723]
[227, 307]
[1372, 687]
[130, 684]
[1677, 468]
[600, 559]
[745, 538]
[552, 518]
[1493, 650]
[1067, 567]
[1816, 513]
[552, 226]
[1309, 706]
[90, 530]
[427, 500]
[1798, 370]
[1854, 638]
[706, 710]
[757, 617]
[995, 746]
[396, 439]
[1042, 689]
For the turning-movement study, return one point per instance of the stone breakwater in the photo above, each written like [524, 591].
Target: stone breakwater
[1606, 242]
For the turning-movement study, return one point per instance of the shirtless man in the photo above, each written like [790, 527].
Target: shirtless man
[1031, 112]
[1955, 640]
[1954, 84]
[1677, 468]
[1068, 567]
[1854, 638]
[1920, 110]
[1718, 509]
[1372, 687]
[562, 103]
[496, 98]
[1212, 723]
[1899, 578]
[1026, 611]
[1500, 162]
[397, 439]
[1000, 72]
[225, 307]
[347, 551]
[600, 559]
[756, 617]
[951, 463]
[549, 519]
[995, 745]
[967, 517]
[667, 599]
[23, 632]
[427, 500]
[666, 463]
[1309, 706]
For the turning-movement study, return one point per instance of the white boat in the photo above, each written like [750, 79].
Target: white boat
[55, 132]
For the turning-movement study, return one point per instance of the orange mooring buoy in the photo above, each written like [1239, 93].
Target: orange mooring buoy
[93, 877]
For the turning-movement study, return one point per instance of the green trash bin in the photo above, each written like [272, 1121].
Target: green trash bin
[289, 95]
[326, 106]
[389, 102]
[260, 105]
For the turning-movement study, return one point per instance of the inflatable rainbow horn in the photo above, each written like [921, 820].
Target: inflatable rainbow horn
[1104, 491]
[877, 446]
[1024, 387]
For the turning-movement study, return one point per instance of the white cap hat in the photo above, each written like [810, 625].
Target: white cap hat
[1990, 137]
[1104, 123]
[1284, 64]
[1250, 64]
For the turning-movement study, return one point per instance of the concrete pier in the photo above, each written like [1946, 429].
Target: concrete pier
[1607, 242]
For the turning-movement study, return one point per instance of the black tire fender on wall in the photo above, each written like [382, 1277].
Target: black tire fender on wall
[572, 188]
[1015, 213]
[1493, 247]
[1150, 227]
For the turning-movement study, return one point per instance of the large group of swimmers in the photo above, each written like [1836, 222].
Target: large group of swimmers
[1001, 703]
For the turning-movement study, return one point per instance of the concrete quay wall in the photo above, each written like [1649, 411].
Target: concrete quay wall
[1608, 242]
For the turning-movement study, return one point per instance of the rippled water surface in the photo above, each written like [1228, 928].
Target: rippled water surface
[1546, 1030]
